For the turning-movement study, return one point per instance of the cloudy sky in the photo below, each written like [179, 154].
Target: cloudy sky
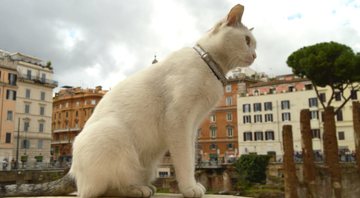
[101, 42]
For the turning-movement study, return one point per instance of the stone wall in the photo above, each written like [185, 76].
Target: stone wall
[350, 179]
[30, 176]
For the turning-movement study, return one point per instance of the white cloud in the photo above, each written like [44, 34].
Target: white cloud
[173, 25]
[101, 44]
[69, 34]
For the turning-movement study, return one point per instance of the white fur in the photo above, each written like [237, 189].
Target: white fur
[155, 110]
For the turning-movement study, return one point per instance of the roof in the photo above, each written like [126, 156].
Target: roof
[278, 82]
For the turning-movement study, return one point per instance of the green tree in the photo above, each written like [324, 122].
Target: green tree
[328, 64]
[252, 168]
[337, 66]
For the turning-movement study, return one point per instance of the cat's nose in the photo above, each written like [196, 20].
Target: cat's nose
[254, 55]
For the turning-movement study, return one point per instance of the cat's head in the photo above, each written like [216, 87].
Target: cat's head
[230, 42]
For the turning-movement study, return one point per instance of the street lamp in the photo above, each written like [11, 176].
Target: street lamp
[17, 146]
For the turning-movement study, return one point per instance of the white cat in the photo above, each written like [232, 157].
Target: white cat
[156, 110]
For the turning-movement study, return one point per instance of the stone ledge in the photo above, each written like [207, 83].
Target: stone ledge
[163, 195]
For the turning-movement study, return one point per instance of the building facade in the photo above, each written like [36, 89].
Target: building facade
[263, 108]
[33, 108]
[8, 92]
[218, 134]
[71, 109]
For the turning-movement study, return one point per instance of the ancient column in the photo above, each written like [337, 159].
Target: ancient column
[331, 150]
[356, 121]
[308, 154]
[291, 181]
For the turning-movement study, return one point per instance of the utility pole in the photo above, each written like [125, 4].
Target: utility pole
[17, 146]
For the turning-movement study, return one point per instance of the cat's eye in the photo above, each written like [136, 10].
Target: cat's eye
[247, 38]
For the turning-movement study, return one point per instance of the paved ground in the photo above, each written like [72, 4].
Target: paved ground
[173, 196]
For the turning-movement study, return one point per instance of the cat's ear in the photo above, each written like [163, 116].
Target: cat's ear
[235, 14]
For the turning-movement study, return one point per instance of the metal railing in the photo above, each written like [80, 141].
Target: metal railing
[38, 79]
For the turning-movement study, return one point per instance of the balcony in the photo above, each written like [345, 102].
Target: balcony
[61, 142]
[66, 130]
[39, 80]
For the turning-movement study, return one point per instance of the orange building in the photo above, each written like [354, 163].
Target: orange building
[71, 109]
[218, 134]
[8, 90]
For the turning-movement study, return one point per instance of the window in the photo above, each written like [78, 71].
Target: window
[42, 95]
[268, 117]
[230, 146]
[314, 115]
[259, 135]
[230, 131]
[43, 77]
[8, 138]
[212, 118]
[42, 111]
[291, 88]
[10, 95]
[247, 136]
[25, 144]
[67, 114]
[27, 108]
[229, 116]
[257, 118]
[40, 144]
[246, 119]
[246, 108]
[339, 116]
[9, 115]
[286, 116]
[41, 127]
[341, 135]
[313, 102]
[353, 94]
[257, 107]
[322, 97]
[228, 88]
[315, 133]
[77, 103]
[268, 106]
[272, 90]
[213, 146]
[27, 93]
[67, 105]
[228, 101]
[77, 114]
[28, 74]
[285, 104]
[163, 174]
[12, 79]
[337, 96]
[308, 87]
[269, 135]
[26, 126]
[213, 132]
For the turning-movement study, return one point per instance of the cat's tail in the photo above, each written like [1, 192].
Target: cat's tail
[62, 186]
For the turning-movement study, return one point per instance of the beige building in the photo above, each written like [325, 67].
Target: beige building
[8, 92]
[263, 109]
[33, 107]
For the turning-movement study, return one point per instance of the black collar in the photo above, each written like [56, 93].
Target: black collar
[211, 63]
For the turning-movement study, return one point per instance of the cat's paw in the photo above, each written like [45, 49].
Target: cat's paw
[197, 190]
[141, 191]
[153, 188]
